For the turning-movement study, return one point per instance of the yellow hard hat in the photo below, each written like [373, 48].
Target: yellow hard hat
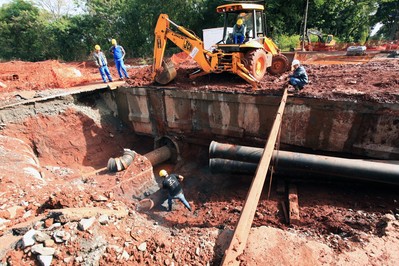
[113, 41]
[239, 21]
[97, 47]
[163, 173]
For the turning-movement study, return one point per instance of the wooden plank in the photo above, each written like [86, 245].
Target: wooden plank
[293, 205]
[241, 232]
[285, 212]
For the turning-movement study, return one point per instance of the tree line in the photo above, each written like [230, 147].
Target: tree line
[30, 31]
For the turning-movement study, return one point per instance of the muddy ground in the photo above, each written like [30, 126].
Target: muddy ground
[341, 223]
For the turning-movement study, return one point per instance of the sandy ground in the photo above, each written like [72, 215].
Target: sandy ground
[341, 224]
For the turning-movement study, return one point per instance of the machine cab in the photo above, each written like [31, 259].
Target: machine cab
[250, 16]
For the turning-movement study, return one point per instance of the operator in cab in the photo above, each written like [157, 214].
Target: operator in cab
[239, 31]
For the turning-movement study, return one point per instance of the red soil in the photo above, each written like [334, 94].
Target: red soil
[345, 218]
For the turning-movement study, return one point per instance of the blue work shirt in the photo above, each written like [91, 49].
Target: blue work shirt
[300, 73]
[117, 51]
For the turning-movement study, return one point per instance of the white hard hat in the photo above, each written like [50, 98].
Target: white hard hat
[296, 62]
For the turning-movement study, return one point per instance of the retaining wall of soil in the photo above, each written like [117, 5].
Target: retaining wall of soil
[347, 126]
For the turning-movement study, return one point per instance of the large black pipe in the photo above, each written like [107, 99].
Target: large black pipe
[244, 159]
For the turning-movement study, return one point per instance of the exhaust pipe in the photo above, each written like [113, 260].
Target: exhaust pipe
[243, 159]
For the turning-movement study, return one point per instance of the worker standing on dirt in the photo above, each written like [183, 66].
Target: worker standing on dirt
[175, 191]
[239, 31]
[101, 62]
[119, 54]
[299, 77]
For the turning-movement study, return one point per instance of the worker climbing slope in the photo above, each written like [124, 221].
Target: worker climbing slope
[175, 190]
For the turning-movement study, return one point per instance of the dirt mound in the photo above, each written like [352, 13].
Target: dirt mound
[83, 146]
[18, 75]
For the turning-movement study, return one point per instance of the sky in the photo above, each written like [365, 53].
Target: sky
[4, 2]
[71, 10]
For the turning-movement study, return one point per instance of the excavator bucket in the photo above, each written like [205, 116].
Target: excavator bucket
[290, 56]
[166, 73]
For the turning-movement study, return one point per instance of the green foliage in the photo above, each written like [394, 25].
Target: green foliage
[20, 31]
[287, 42]
[285, 17]
[388, 15]
[351, 19]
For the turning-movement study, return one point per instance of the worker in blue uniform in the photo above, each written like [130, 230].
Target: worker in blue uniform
[239, 31]
[119, 54]
[299, 78]
[101, 62]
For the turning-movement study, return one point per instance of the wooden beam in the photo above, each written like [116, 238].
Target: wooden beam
[241, 232]
[285, 212]
[293, 205]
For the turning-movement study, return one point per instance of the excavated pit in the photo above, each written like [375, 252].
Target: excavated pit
[72, 137]
[52, 152]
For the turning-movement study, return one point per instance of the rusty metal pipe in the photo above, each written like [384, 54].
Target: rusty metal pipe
[302, 164]
[159, 155]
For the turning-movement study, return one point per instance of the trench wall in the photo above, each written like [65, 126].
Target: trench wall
[358, 128]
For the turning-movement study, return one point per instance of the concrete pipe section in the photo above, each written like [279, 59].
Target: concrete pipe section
[243, 159]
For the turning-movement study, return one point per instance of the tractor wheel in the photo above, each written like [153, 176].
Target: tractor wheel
[279, 65]
[256, 63]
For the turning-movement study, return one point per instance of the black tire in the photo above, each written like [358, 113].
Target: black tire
[256, 63]
[279, 65]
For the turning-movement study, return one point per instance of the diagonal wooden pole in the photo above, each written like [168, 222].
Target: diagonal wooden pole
[241, 232]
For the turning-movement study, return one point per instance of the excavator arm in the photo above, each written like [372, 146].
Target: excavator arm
[164, 72]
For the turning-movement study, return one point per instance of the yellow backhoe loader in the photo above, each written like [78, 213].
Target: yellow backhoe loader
[250, 59]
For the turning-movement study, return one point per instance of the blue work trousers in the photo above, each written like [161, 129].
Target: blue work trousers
[104, 71]
[238, 39]
[179, 196]
[120, 66]
[297, 82]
